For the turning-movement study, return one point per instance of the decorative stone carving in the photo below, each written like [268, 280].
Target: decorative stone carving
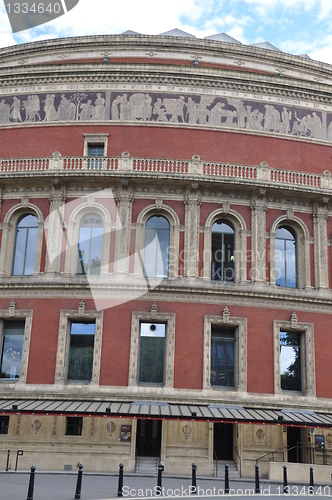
[186, 431]
[81, 309]
[226, 207]
[25, 201]
[159, 203]
[154, 310]
[260, 434]
[225, 314]
[12, 308]
[111, 428]
[294, 320]
[290, 213]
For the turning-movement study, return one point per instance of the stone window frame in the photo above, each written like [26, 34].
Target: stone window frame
[152, 317]
[73, 229]
[92, 139]
[240, 327]
[18, 314]
[174, 238]
[9, 227]
[307, 355]
[61, 367]
[303, 275]
[240, 244]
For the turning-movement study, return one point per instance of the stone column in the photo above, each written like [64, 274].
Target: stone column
[320, 244]
[258, 238]
[55, 226]
[191, 238]
[123, 229]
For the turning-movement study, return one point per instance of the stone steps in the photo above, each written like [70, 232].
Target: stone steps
[147, 465]
[219, 469]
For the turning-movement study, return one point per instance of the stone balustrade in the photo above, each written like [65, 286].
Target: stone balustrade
[242, 174]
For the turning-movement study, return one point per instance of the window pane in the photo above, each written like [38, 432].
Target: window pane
[90, 245]
[222, 357]
[81, 348]
[12, 348]
[285, 258]
[4, 424]
[25, 246]
[156, 247]
[152, 353]
[74, 426]
[280, 268]
[222, 259]
[31, 248]
[290, 361]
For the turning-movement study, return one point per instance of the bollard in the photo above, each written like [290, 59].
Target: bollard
[285, 480]
[311, 487]
[79, 482]
[257, 488]
[226, 479]
[31, 483]
[120, 484]
[193, 479]
[7, 464]
[159, 481]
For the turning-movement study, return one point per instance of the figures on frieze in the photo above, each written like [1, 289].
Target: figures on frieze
[197, 110]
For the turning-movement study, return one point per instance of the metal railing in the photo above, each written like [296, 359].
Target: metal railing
[305, 453]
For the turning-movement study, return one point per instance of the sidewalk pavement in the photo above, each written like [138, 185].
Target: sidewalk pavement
[99, 486]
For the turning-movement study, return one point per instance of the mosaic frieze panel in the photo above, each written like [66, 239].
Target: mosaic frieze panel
[210, 110]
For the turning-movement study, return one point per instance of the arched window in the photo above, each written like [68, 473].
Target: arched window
[90, 245]
[25, 246]
[156, 247]
[222, 260]
[285, 258]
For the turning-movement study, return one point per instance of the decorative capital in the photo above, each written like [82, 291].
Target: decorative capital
[294, 320]
[81, 308]
[225, 315]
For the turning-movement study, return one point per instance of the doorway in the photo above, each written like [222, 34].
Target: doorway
[148, 438]
[293, 438]
[223, 442]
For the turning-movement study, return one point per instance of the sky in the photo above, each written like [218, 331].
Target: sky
[294, 26]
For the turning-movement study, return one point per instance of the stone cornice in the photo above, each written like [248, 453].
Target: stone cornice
[166, 44]
[176, 290]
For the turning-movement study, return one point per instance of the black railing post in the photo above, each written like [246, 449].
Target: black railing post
[7, 464]
[19, 453]
[159, 480]
[193, 479]
[311, 486]
[31, 483]
[285, 480]
[120, 484]
[257, 488]
[226, 479]
[79, 482]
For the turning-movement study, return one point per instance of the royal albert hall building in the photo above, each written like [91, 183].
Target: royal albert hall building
[165, 259]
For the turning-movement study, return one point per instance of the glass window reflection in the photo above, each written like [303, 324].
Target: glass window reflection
[290, 361]
[222, 260]
[90, 245]
[285, 258]
[11, 349]
[156, 247]
[25, 246]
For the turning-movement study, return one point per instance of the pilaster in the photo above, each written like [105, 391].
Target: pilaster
[320, 244]
[258, 237]
[123, 229]
[55, 228]
[191, 244]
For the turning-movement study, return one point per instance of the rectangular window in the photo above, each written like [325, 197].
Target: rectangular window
[290, 361]
[152, 353]
[4, 424]
[11, 349]
[222, 357]
[74, 426]
[81, 346]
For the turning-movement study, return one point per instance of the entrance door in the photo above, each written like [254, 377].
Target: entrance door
[223, 442]
[294, 437]
[148, 440]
